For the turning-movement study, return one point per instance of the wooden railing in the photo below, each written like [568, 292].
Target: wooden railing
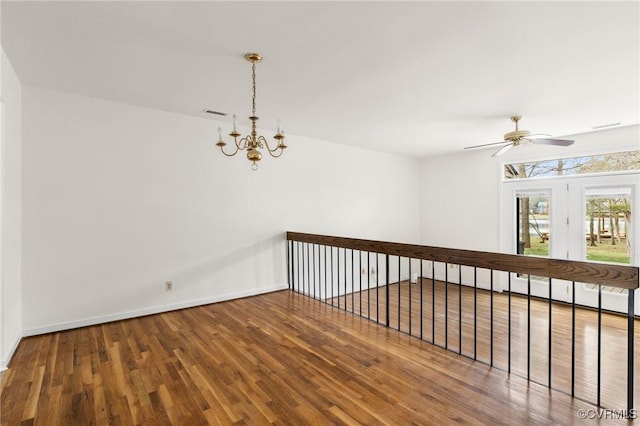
[420, 290]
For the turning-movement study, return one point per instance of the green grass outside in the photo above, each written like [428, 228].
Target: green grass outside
[537, 248]
[603, 252]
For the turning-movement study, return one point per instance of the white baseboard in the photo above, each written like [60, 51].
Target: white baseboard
[4, 362]
[148, 311]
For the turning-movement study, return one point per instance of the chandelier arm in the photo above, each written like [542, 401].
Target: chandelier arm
[227, 154]
[275, 149]
[241, 144]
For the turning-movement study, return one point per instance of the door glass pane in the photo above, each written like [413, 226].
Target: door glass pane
[608, 224]
[533, 224]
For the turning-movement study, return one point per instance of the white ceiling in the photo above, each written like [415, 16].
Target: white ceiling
[413, 78]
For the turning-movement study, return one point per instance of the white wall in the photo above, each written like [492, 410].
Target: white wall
[119, 199]
[10, 213]
[460, 192]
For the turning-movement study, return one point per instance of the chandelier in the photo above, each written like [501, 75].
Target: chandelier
[252, 143]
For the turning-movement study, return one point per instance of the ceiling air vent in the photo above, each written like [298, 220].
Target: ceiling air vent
[604, 126]
[212, 112]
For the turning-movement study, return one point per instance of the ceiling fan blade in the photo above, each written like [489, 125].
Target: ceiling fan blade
[486, 144]
[502, 150]
[558, 142]
[538, 136]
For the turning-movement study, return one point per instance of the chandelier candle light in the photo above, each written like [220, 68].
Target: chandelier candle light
[252, 142]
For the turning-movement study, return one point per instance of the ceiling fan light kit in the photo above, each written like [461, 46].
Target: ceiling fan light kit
[519, 137]
[517, 134]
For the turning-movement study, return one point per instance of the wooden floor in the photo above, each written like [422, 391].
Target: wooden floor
[458, 334]
[280, 358]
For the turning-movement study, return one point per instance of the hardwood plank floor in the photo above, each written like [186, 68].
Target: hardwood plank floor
[371, 303]
[279, 358]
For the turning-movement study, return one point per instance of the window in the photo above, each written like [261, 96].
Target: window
[604, 163]
[580, 208]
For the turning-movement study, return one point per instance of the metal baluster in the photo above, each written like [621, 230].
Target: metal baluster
[421, 299]
[308, 272]
[360, 267]
[475, 313]
[353, 283]
[368, 286]
[509, 323]
[573, 339]
[410, 301]
[293, 265]
[399, 288]
[338, 275]
[325, 274]
[528, 326]
[599, 342]
[319, 283]
[459, 309]
[303, 282]
[550, 332]
[314, 270]
[446, 305]
[332, 282]
[630, 343]
[344, 251]
[433, 302]
[377, 290]
[300, 270]
[303, 269]
[491, 318]
[387, 274]
[288, 265]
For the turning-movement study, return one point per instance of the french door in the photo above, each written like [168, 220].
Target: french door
[587, 218]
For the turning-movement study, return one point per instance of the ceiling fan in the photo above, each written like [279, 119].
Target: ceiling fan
[521, 137]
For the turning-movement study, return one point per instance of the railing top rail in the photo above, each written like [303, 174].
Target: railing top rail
[620, 276]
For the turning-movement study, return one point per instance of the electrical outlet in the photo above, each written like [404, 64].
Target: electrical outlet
[168, 286]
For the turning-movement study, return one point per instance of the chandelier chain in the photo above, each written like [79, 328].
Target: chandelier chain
[253, 99]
